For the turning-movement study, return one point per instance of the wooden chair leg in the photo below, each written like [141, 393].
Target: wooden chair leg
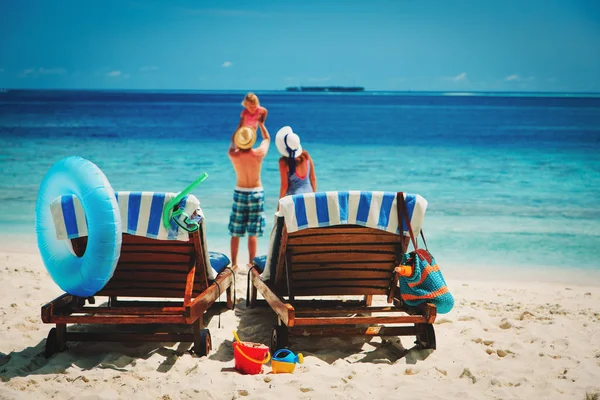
[368, 300]
[197, 325]
[229, 298]
[253, 295]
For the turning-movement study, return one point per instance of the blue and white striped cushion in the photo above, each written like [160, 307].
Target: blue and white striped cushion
[141, 215]
[68, 216]
[371, 209]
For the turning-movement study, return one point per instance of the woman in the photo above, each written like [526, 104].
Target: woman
[296, 167]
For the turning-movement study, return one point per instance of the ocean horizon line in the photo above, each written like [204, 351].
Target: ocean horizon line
[291, 93]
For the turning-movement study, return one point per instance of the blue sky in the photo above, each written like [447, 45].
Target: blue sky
[448, 45]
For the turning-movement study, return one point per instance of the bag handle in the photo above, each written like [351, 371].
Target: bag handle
[403, 213]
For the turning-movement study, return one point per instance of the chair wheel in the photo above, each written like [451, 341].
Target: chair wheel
[205, 346]
[279, 338]
[52, 345]
[426, 336]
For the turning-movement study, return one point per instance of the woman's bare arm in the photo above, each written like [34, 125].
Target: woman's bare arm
[283, 174]
[312, 175]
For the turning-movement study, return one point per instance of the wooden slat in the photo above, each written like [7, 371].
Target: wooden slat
[356, 247]
[349, 281]
[300, 312]
[385, 265]
[339, 291]
[118, 319]
[344, 240]
[183, 248]
[406, 319]
[142, 292]
[134, 239]
[147, 304]
[340, 230]
[151, 256]
[129, 311]
[354, 331]
[166, 267]
[338, 273]
[129, 337]
[131, 276]
[334, 256]
[139, 283]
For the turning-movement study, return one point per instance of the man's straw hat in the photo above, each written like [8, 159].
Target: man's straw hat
[244, 138]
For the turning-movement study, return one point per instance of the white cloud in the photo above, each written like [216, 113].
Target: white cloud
[149, 68]
[227, 64]
[519, 78]
[35, 72]
[460, 77]
[113, 74]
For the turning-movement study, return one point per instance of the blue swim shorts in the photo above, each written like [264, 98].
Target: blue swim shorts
[247, 212]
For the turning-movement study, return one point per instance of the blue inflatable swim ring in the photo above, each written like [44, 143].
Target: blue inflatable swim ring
[79, 276]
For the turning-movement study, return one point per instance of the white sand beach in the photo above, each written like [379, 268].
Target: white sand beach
[503, 340]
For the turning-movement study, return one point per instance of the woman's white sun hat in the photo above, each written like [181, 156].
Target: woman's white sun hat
[288, 143]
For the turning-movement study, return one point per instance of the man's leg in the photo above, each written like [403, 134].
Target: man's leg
[256, 221]
[237, 225]
[252, 244]
[235, 245]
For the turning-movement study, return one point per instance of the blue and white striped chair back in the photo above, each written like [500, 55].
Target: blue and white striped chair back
[141, 215]
[370, 209]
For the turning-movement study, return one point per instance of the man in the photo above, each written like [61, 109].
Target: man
[248, 210]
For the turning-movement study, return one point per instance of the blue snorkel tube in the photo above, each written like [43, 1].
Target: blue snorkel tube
[190, 224]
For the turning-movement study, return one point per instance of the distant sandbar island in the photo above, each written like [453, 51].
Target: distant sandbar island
[325, 89]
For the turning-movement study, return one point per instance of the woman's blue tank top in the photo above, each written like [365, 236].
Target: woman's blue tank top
[297, 185]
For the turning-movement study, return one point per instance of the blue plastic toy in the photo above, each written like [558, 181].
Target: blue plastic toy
[284, 361]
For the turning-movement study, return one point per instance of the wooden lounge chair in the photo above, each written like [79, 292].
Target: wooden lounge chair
[160, 283]
[344, 257]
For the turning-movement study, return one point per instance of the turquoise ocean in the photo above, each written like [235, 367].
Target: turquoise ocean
[512, 180]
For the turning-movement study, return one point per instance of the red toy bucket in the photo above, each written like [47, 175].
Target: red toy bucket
[249, 357]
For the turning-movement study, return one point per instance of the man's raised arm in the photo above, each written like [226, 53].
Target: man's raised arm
[264, 145]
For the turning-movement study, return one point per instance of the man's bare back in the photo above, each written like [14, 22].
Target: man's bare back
[247, 164]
